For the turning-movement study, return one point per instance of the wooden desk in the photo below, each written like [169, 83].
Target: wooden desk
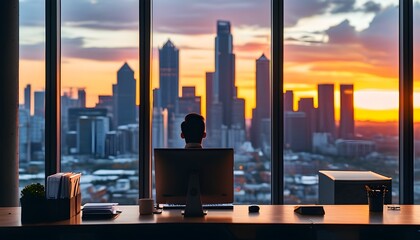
[273, 221]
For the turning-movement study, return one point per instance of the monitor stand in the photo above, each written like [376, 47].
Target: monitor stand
[193, 205]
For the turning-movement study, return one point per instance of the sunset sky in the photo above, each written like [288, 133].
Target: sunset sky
[326, 41]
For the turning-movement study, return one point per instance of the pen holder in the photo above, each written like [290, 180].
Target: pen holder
[376, 198]
[64, 208]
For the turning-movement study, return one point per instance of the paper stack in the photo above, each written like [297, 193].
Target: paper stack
[100, 210]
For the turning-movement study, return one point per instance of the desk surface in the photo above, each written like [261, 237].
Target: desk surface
[350, 222]
[269, 214]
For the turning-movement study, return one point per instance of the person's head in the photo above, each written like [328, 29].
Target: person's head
[193, 128]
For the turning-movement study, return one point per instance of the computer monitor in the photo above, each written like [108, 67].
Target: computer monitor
[194, 177]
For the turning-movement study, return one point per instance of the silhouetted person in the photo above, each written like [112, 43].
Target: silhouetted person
[193, 130]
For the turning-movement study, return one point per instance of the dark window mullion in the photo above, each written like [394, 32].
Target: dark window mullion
[145, 166]
[52, 86]
[406, 124]
[277, 166]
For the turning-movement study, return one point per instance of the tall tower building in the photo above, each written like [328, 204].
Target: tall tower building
[27, 95]
[81, 97]
[306, 105]
[39, 103]
[326, 117]
[262, 109]
[224, 81]
[169, 76]
[346, 111]
[288, 101]
[124, 96]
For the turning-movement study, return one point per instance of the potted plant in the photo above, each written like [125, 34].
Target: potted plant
[33, 203]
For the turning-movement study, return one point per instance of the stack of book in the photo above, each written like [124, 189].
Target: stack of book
[100, 210]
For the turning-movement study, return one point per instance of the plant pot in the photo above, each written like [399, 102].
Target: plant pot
[33, 210]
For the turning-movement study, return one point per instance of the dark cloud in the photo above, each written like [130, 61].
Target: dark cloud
[32, 51]
[200, 16]
[342, 6]
[73, 48]
[341, 33]
[295, 10]
[371, 7]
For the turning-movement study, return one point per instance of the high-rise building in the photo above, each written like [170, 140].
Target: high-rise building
[295, 130]
[306, 105]
[24, 135]
[262, 108]
[160, 128]
[75, 113]
[81, 96]
[27, 95]
[346, 128]
[169, 76]
[288, 101]
[124, 96]
[39, 103]
[326, 117]
[224, 81]
[189, 102]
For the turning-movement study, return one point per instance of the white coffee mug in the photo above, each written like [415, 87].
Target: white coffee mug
[147, 206]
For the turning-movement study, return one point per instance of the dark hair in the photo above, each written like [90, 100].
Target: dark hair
[193, 128]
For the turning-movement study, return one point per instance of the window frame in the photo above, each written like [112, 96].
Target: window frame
[53, 84]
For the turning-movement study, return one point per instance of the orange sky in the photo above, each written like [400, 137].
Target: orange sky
[345, 48]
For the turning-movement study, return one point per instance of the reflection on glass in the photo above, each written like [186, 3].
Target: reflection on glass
[416, 94]
[99, 98]
[341, 92]
[31, 93]
[216, 63]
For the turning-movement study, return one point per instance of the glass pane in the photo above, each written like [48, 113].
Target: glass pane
[99, 97]
[213, 58]
[416, 67]
[31, 92]
[341, 92]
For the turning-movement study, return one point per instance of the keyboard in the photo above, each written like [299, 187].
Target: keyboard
[205, 206]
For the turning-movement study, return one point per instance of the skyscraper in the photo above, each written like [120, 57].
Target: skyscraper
[288, 101]
[39, 103]
[224, 81]
[124, 96]
[262, 109]
[346, 112]
[81, 96]
[326, 117]
[27, 99]
[306, 105]
[189, 102]
[169, 76]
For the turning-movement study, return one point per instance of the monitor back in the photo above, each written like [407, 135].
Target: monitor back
[173, 167]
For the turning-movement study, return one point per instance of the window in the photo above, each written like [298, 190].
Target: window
[214, 59]
[99, 97]
[341, 92]
[31, 92]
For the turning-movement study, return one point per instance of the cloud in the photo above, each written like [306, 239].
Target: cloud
[200, 16]
[371, 7]
[295, 10]
[341, 33]
[373, 50]
[73, 48]
[342, 6]
[102, 14]
[252, 47]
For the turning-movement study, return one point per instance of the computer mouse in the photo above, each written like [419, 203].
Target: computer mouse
[253, 208]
